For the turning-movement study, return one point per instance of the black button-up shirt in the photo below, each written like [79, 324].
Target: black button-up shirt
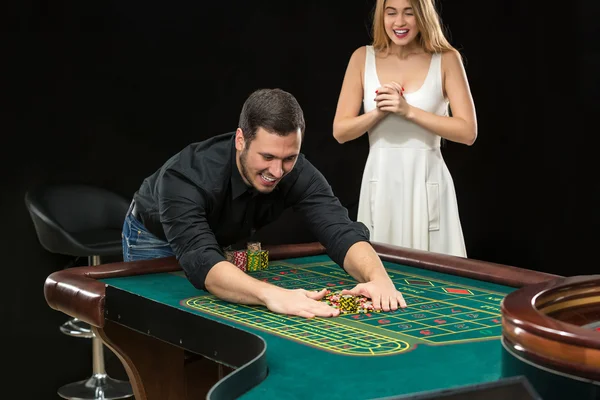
[199, 203]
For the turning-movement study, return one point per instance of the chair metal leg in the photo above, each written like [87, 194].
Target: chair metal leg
[94, 260]
[99, 386]
[77, 328]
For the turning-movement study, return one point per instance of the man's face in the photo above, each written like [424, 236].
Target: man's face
[267, 159]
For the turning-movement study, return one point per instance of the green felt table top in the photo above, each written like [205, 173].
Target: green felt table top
[448, 336]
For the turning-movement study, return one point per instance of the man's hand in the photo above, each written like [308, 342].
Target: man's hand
[382, 293]
[300, 302]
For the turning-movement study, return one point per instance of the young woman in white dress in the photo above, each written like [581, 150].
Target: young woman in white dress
[406, 82]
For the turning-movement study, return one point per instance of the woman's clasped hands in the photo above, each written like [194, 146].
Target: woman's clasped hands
[390, 98]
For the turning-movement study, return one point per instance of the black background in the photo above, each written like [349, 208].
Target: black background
[104, 92]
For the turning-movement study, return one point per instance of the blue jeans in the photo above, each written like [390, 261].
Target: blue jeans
[139, 244]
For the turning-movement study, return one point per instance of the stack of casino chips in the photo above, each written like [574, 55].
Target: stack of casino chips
[349, 304]
[258, 259]
[251, 259]
[239, 258]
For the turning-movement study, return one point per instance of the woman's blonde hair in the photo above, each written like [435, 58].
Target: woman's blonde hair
[431, 36]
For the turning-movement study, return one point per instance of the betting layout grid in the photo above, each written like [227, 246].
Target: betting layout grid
[439, 312]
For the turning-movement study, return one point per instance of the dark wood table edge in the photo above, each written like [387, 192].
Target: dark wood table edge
[460, 266]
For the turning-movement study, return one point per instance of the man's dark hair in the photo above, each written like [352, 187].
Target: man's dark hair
[274, 110]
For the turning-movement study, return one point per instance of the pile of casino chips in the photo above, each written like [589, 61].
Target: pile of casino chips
[253, 258]
[349, 304]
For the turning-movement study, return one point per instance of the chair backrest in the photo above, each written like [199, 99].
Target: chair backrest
[62, 210]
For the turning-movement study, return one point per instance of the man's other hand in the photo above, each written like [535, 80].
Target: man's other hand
[299, 302]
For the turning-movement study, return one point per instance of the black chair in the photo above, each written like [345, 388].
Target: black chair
[82, 221]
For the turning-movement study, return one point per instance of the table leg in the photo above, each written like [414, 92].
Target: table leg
[158, 370]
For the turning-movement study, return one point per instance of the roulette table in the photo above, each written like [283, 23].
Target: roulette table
[176, 341]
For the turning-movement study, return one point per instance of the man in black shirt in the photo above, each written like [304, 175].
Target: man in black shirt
[217, 192]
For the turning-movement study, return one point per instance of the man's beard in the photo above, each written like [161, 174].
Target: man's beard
[244, 170]
[246, 174]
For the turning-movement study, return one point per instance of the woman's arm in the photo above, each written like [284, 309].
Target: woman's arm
[347, 124]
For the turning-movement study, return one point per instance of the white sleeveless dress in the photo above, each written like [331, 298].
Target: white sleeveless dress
[407, 196]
